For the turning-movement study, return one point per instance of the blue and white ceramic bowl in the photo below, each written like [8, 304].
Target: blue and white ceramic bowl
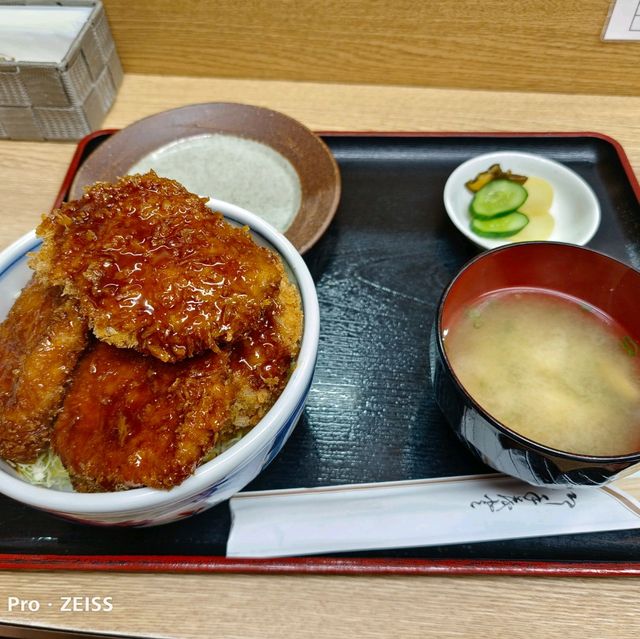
[216, 480]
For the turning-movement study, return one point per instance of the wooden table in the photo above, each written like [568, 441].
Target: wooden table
[244, 606]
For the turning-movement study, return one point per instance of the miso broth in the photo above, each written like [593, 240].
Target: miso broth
[551, 368]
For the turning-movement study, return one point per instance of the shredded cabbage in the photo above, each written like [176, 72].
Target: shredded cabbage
[49, 472]
[46, 471]
[224, 444]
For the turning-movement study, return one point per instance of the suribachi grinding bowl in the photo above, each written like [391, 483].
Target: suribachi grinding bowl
[584, 274]
[216, 480]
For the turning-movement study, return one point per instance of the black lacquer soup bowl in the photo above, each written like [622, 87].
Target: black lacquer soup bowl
[583, 274]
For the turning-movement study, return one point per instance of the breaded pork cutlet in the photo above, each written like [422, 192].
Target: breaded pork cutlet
[131, 420]
[261, 363]
[154, 269]
[40, 342]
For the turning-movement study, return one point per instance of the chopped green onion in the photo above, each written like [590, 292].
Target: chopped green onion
[629, 345]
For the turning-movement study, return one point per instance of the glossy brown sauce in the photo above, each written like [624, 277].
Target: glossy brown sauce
[40, 343]
[130, 419]
[197, 326]
[155, 269]
[262, 351]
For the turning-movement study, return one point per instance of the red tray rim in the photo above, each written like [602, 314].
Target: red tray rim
[333, 565]
[316, 566]
[624, 160]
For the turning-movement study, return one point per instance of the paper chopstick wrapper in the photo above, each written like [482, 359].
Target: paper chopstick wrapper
[428, 512]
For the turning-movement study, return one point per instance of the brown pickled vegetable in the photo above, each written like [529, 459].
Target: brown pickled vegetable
[494, 172]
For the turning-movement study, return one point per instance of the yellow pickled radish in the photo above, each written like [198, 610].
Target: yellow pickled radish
[536, 208]
[540, 197]
[540, 227]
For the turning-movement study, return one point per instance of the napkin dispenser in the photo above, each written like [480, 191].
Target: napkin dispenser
[59, 69]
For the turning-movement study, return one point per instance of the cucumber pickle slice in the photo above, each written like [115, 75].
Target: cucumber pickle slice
[499, 197]
[503, 226]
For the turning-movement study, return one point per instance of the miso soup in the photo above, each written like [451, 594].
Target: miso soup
[551, 368]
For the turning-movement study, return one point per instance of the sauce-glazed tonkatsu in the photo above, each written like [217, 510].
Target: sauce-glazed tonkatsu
[152, 333]
[154, 269]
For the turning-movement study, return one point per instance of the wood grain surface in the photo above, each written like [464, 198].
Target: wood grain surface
[538, 45]
[244, 607]
[168, 605]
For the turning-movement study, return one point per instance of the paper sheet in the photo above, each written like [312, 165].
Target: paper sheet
[427, 512]
[624, 21]
[39, 33]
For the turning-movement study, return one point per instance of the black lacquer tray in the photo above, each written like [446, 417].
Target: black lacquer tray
[371, 416]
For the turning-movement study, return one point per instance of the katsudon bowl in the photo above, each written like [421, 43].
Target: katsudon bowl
[601, 290]
[213, 481]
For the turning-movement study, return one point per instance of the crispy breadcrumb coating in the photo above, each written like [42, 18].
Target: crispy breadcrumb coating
[131, 420]
[154, 269]
[40, 342]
